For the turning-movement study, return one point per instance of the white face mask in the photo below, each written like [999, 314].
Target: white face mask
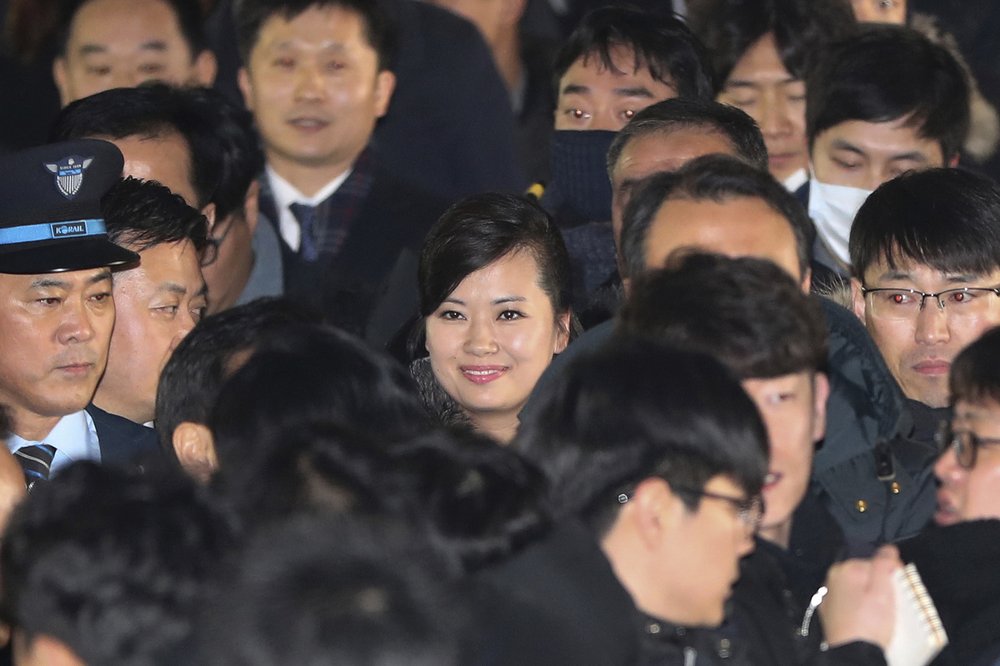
[832, 208]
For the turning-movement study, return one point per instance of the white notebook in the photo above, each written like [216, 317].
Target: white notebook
[918, 636]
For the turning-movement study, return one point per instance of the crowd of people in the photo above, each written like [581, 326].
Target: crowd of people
[497, 332]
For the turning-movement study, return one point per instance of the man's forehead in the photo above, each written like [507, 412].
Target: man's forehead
[97, 21]
[894, 139]
[905, 268]
[669, 149]
[65, 279]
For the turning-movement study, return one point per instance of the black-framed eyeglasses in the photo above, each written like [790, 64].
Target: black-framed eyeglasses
[211, 252]
[897, 303]
[749, 510]
[965, 443]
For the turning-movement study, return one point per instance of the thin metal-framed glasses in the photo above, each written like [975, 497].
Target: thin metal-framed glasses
[211, 252]
[898, 303]
[965, 443]
[749, 510]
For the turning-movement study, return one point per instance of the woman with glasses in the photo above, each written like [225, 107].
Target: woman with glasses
[958, 559]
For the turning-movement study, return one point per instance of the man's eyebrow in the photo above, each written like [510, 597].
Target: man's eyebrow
[49, 282]
[913, 156]
[100, 277]
[575, 89]
[739, 83]
[173, 288]
[894, 275]
[633, 91]
[91, 49]
[154, 45]
[842, 144]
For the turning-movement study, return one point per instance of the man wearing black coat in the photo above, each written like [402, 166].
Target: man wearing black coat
[317, 80]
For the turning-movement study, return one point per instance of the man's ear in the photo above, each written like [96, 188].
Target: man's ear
[209, 212]
[251, 206]
[195, 450]
[858, 299]
[246, 88]
[385, 84]
[563, 323]
[821, 392]
[61, 78]
[205, 68]
[655, 510]
[807, 278]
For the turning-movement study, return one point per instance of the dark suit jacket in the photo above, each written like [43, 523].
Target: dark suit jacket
[124, 443]
[369, 287]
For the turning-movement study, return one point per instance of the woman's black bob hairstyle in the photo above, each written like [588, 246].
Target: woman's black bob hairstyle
[481, 229]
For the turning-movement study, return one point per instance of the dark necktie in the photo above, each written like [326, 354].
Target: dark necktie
[306, 216]
[35, 460]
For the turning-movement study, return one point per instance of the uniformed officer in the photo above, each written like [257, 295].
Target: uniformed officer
[56, 307]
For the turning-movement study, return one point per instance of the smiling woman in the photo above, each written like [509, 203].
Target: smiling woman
[494, 292]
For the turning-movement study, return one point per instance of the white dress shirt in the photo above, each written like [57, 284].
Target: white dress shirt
[74, 437]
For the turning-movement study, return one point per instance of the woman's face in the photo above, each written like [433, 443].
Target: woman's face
[492, 338]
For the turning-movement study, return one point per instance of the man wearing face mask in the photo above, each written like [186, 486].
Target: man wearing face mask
[878, 104]
[617, 62]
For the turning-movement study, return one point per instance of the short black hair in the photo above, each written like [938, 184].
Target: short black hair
[195, 372]
[151, 111]
[190, 20]
[705, 115]
[714, 178]
[885, 73]
[240, 156]
[660, 43]
[975, 372]
[484, 228]
[322, 590]
[142, 213]
[729, 28]
[746, 312]
[948, 219]
[112, 565]
[481, 502]
[637, 409]
[251, 15]
[304, 375]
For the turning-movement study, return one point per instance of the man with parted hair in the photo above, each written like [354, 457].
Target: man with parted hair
[158, 301]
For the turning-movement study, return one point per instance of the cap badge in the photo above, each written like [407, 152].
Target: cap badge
[69, 174]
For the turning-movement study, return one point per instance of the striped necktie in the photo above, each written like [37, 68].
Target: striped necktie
[35, 460]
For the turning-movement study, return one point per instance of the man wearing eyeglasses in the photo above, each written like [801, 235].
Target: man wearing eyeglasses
[203, 148]
[926, 254]
[957, 560]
